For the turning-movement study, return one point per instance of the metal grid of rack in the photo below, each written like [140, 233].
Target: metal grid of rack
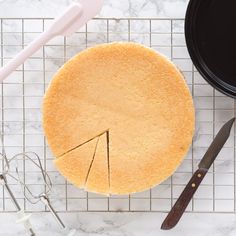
[22, 94]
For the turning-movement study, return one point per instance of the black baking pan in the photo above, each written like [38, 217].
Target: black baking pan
[210, 32]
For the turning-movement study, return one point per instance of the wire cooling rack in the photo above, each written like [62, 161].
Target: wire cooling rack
[22, 94]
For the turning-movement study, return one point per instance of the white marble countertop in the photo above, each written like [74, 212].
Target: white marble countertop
[124, 224]
[136, 223]
[112, 8]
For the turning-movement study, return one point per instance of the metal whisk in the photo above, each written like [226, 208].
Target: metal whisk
[11, 166]
[42, 196]
[22, 217]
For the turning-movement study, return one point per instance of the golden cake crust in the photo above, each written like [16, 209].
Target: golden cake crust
[137, 97]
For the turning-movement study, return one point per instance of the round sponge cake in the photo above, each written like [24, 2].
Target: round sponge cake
[119, 118]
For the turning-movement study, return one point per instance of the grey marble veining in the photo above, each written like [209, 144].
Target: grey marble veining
[123, 224]
[217, 192]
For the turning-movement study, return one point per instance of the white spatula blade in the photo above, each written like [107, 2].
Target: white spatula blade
[64, 22]
[90, 8]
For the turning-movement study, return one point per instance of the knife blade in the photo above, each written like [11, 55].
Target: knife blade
[181, 204]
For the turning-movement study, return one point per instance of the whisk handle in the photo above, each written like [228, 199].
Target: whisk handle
[72, 232]
[24, 219]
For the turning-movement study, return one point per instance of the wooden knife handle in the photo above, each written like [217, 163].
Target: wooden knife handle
[181, 204]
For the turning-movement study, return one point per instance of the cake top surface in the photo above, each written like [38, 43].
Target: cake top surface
[127, 103]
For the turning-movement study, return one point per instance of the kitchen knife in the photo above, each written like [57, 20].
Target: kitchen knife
[181, 204]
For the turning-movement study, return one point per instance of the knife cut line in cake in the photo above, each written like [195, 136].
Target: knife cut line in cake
[107, 151]
[107, 157]
[91, 163]
[79, 145]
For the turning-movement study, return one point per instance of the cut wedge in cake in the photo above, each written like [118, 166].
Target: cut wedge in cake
[136, 94]
[100, 168]
[71, 163]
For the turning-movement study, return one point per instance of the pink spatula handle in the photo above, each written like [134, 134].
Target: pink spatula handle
[23, 55]
[59, 27]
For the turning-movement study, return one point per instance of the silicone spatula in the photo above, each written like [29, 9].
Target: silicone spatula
[74, 17]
